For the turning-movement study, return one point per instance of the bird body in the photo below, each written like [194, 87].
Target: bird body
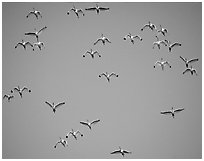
[121, 151]
[24, 44]
[34, 12]
[9, 97]
[61, 141]
[36, 33]
[89, 124]
[149, 25]
[74, 134]
[131, 37]
[92, 53]
[76, 11]
[97, 9]
[53, 106]
[187, 62]
[108, 75]
[172, 111]
[20, 90]
[191, 70]
[103, 39]
[162, 63]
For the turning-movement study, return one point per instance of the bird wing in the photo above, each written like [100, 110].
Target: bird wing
[147, 25]
[48, 104]
[175, 44]
[16, 89]
[192, 60]
[166, 62]
[179, 109]
[28, 43]
[166, 112]
[39, 13]
[103, 8]
[128, 152]
[97, 41]
[80, 11]
[116, 151]
[95, 121]
[20, 43]
[5, 96]
[113, 74]
[40, 31]
[84, 123]
[90, 9]
[24, 88]
[107, 40]
[103, 74]
[158, 62]
[30, 13]
[95, 52]
[186, 70]
[182, 58]
[30, 33]
[59, 104]
[78, 132]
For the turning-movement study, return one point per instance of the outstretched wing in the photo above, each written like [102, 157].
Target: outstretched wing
[39, 13]
[145, 26]
[192, 60]
[78, 132]
[103, 8]
[167, 63]
[175, 44]
[179, 109]
[59, 104]
[166, 112]
[28, 43]
[95, 121]
[20, 43]
[5, 96]
[186, 70]
[115, 152]
[113, 74]
[24, 88]
[48, 104]
[183, 58]
[30, 13]
[128, 152]
[90, 9]
[84, 123]
[16, 89]
[40, 31]
[138, 37]
[107, 40]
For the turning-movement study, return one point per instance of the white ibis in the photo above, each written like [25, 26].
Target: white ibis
[171, 45]
[53, 106]
[89, 124]
[162, 63]
[74, 134]
[149, 25]
[108, 75]
[97, 9]
[61, 141]
[20, 90]
[36, 33]
[121, 151]
[9, 97]
[34, 12]
[172, 111]
[103, 39]
[187, 62]
[23, 44]
[162, 30]
[76, 11]
[92, 53]
[131, 37]
[191, 70]
[159, 43]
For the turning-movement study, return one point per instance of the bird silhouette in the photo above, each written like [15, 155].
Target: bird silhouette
[108, 75]
[20, 90]
[172, 111]
[61, 141]
[97, 8]
[36, 33]
[76, 11]
[121, 151]
[9, 97]
[103, 39]
[187, 62]
[23, 44]
[191, 70]
[131, 37]
[149, 25]
[53, 106]
[172, 45]
[162, 63]
[34, 12]
[74, 134]
[92, 53]
[89, 124]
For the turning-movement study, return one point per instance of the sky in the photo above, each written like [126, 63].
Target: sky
[129, 106]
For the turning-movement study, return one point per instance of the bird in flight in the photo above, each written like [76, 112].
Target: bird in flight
[9, 97]
[162, 30]
[20, 90]
[89, 124]
[149, 25]
[108, 75]
[171, 45]
[131, 37]
[36, 33]
[162, 63]
[190, 69]
[92, 53]
[103, 39]
[187, 62]
[76, 11]
[97, 9]
[39, 44]
[172, 111]
[159, 43]
[23, 44]
[121, 151]
[61, 141]
[53, 106]
[74, 134]
[34, 12]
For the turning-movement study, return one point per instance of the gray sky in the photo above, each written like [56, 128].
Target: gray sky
[129, 106]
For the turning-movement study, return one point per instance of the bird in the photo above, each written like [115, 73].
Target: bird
[121, 151]
[20, 90]
[149, 25]
[190, 69]
[97, 9]
[162, 63]
[108, 75]
[24, 44]
[36, 33]
[159, 43]
[172, 111]
[76, 11]
[171, 45]
[53, 106]
[34, 12]
[61, 141]
[103, 39]
[74, 134]
[187, 62]
[131, 37]
[89, 124]
[39, 44]
[162, 30]
[9, 97]
[92, 53]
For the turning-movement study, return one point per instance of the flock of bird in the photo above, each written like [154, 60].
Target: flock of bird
[158, 43]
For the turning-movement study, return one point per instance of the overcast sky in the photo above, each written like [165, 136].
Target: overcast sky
[129, 106]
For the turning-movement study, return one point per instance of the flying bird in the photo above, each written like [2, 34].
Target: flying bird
[36, 33]
[187, 62]
[108, 75]
[103, 39]
[39, 44]
[92, 53]
[171, 45]
[20, 90]
[74, 134]
[172, 111]
[131, 37]
[162, 30]
[9, 97]
[149, 25]
[34, 12]
[97, 9]
[76, 11]
[121, 151]
[158, 43]
[89, 124]
[162, 63]
[61, 141]
[190, 69]
[23, 44]
[53, 106]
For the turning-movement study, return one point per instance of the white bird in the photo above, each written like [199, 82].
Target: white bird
[121, 151]
[131, 37]
[97, 9]
[61, 141]
[159, 43]
[76, 11]
[103, 39]
[108, 75]
[92, 53]
[187, 62]
[74, 134]
[162, 63]
[8, 97]
[190, 69]
[149, 25]
[20, 90]
[53, 106]
[89, 124]
[36, 33]
[24, 44]
[171, 45]
[172, 111]
[34, 12]
[162, 30]
[39, 44]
